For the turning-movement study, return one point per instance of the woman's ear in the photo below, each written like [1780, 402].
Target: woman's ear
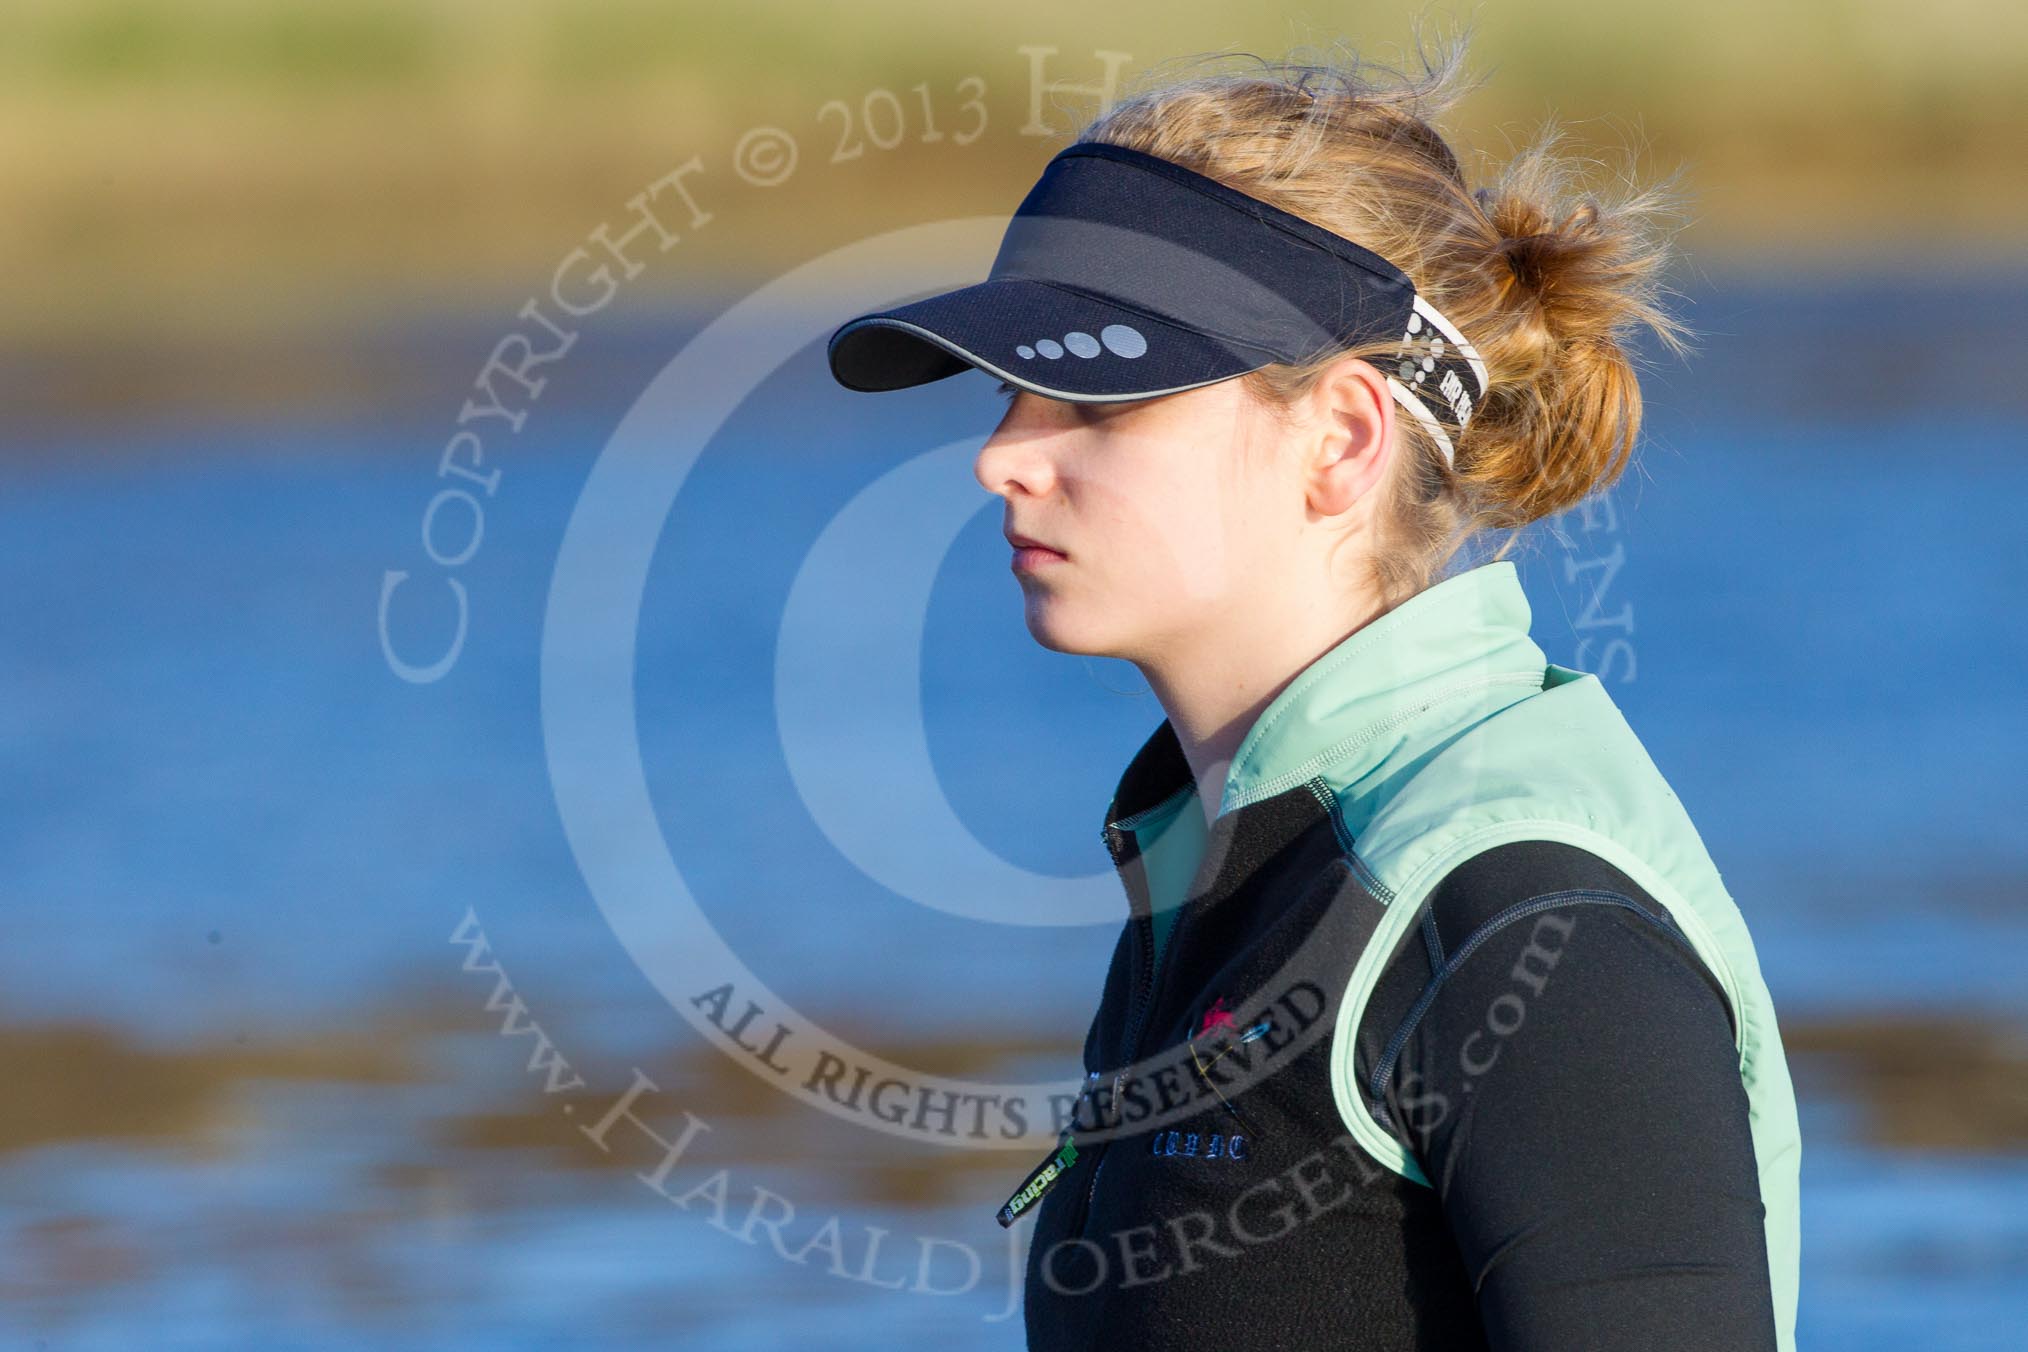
[1352, 429]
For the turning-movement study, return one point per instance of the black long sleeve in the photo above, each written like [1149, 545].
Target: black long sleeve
[1562, 1066]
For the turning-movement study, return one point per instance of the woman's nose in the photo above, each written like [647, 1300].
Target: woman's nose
[1015, 459]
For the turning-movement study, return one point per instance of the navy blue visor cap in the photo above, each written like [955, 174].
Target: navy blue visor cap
[1125, 276]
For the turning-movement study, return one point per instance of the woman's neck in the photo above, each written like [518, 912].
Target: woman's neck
[1215, 688]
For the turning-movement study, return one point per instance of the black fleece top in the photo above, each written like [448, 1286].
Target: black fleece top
[1564, 1073]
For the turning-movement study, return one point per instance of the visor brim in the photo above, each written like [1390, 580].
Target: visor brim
[1102, 352]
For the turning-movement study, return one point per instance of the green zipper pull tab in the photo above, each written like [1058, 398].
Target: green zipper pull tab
[1045, 1176]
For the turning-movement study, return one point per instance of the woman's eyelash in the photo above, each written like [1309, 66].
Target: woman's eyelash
[1007, 391]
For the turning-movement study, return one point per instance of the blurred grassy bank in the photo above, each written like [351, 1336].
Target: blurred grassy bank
[1914, 1081]
[226, 173]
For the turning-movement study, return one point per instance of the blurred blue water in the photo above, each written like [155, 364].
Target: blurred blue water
[224, 815]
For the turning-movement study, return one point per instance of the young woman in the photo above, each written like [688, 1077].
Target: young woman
[1432, 1024]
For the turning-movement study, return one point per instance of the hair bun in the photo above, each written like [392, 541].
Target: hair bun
[1566, 271]
[1571, 278]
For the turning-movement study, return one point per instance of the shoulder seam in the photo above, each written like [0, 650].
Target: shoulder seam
[1321, 789]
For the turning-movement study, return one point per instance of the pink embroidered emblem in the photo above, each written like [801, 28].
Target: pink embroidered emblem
[1218, 1016]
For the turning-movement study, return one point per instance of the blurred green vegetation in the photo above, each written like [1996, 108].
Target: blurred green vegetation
[267, 164]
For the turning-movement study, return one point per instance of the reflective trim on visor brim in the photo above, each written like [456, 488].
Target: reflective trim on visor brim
[1104, 352]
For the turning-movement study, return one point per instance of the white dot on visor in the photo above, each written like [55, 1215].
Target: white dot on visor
[1123, 340]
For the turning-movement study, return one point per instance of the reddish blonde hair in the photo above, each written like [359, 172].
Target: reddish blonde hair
[1548, 280]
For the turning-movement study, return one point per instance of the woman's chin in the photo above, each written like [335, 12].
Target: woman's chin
[1051, 624]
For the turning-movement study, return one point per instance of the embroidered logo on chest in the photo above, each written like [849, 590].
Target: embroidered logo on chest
[1218, 1016]
[1200, 1145]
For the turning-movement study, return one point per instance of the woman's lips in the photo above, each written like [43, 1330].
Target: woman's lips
[1030, 553]
[1030, 557]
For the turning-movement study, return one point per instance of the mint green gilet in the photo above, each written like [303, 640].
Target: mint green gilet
[1443, 730]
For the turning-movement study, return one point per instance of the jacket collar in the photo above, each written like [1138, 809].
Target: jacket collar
[1352, 710]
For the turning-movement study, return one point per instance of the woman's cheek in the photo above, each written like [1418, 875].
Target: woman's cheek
[1202, 558]
[1203, 569]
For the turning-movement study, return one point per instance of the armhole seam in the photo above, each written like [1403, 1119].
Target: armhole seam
[1383, 1070]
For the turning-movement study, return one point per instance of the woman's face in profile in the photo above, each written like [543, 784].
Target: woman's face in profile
[1165, 515]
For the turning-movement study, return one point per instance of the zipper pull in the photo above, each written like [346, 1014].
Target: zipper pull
[1045, 1175]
